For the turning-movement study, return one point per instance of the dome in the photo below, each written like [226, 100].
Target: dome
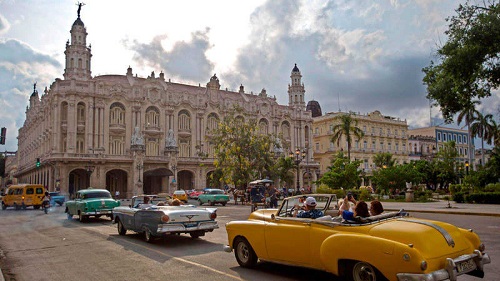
[314, 107]
[78, 21]
[295, 69]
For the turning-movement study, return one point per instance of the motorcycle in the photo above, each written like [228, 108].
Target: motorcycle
[46, 206]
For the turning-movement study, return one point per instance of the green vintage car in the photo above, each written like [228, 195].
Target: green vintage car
[91, 202]
[212, 196]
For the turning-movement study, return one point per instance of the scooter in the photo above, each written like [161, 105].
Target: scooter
[46, 206]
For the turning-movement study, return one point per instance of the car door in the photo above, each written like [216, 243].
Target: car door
[288, 240]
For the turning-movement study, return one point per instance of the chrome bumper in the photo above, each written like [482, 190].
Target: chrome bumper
[227, 249]
[451, 271]
[98, 212]
[178, 227]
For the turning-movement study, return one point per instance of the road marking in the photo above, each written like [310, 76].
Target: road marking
[183, 260]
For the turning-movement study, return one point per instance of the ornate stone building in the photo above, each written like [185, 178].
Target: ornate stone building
[131, 134]
[381, 134]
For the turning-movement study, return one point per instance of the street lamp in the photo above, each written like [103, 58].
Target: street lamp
[90, 169]
[299, 156]
[139, 167]
[174, 168]
[467, 168]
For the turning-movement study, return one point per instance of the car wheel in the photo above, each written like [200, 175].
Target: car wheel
[362, 271]
[224, 204]
[199, 202]
[147, 235]
[244, 253]
[60, 203]
[210, 203]
[17, 207]
[36, 207]
[121, 229]
[194, 235]
[4, 206]
[81, 217]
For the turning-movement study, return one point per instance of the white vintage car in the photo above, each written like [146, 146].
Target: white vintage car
[156, 221]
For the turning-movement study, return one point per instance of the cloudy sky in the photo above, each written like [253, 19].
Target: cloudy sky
[360, 56]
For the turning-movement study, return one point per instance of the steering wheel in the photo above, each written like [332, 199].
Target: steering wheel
[289, 213]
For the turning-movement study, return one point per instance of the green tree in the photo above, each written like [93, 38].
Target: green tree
[342, 173]
[468, 66]
[469, 114]
[484, 127]
[347, 128]
[383, 159]
[241, 153]
[447, 164]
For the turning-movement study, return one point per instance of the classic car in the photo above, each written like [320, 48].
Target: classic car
[213, 196]
[157, 221]
[390, 246]
[56, 198]
[194, 194]
[91, 202]
[180, 195]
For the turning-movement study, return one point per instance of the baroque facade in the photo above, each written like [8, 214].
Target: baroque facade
[138, 135]
[381, 134]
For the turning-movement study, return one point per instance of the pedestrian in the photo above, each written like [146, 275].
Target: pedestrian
[117, 194]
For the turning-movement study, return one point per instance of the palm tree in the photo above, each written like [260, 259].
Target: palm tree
[346, 128]
[469, 114]
[484, 127]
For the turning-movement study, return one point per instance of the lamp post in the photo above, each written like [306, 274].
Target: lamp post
[139, 167]
[467, 168]
[90, 169]
[299, 156]
[174, 168]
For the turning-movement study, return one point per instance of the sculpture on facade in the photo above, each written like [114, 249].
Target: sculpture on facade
[80, 4]
[137, 138]
[170, 140]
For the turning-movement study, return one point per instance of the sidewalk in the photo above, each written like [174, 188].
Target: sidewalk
[443, 207]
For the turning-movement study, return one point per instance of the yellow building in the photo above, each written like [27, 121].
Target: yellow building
[133, 134]
[381, 134]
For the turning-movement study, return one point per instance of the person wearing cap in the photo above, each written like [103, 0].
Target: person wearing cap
[310, 210]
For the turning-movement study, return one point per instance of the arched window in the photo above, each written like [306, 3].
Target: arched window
[184, 121]
[263, 126]
[152, 117]
[212, 122]
[80, 110]
[117, 114]
[152, 147]
[80, 143]
[64, 112]
[285, 130]
[116, 145]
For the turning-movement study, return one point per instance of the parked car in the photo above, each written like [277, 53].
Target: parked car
[181, 195]
[213, 196]
[56, 198]
[391, 246]
[158, 221]
[194, 194]
[91, 202]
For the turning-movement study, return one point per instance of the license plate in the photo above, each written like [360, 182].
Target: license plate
[466, 266]
[191, 224]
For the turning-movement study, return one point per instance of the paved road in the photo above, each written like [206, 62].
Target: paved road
[183, 254]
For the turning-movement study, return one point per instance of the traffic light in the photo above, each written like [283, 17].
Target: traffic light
[3, 135]
[38, 163]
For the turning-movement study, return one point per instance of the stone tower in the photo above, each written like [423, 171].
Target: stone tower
[77, 53]
[296, 91]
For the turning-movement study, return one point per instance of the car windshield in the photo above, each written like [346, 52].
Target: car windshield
[216, 191]
[97, 194]
[322, 203]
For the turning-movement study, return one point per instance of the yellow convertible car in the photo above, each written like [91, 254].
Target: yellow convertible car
[390, 246]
